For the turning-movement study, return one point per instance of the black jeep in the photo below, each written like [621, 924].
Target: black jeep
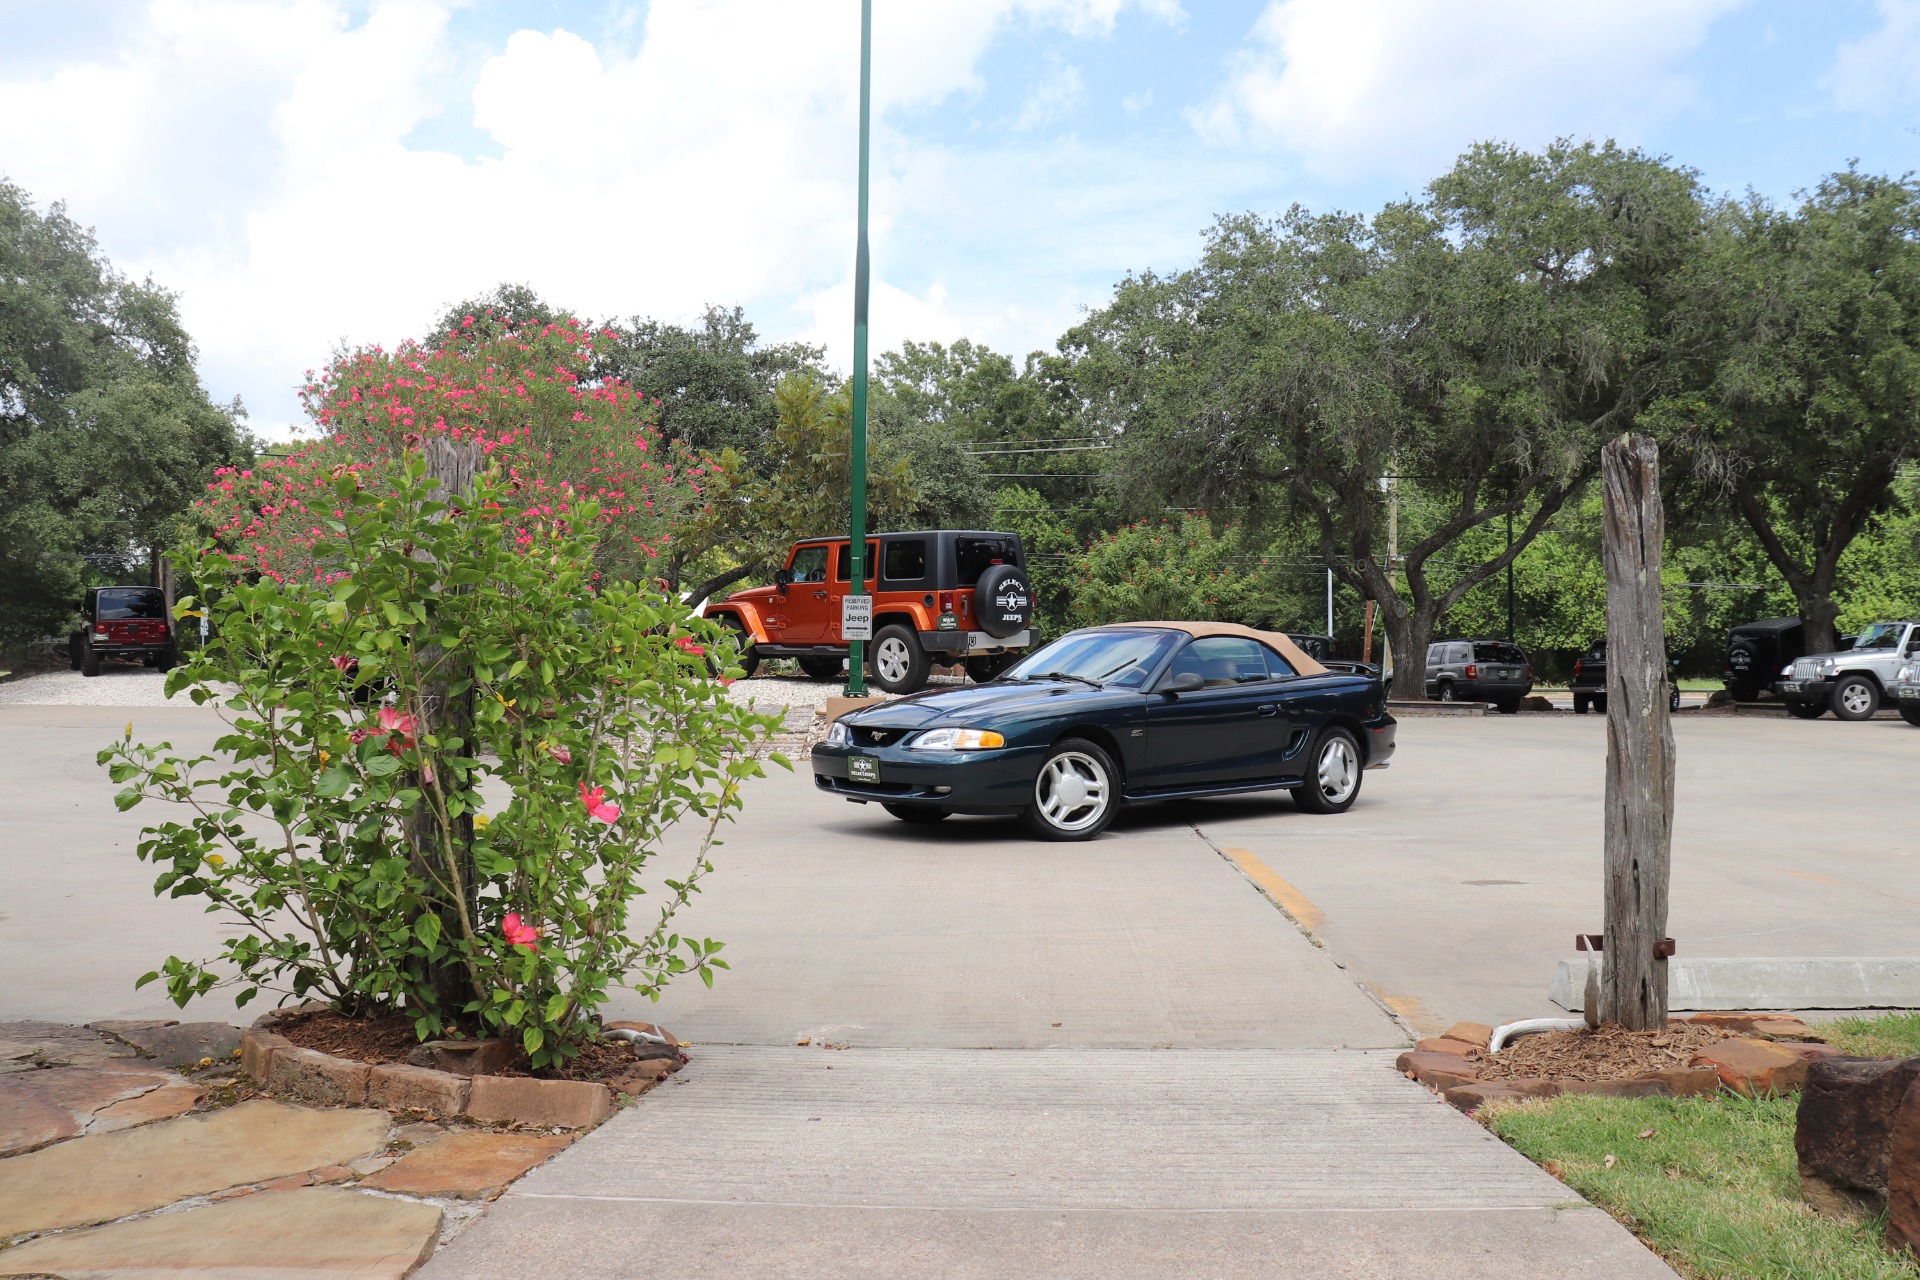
[1756, 653]
[123, 622]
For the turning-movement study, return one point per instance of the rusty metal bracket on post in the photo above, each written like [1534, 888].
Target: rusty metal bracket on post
[1662, 950]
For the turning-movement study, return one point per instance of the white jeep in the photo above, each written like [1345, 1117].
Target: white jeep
[1852, 683]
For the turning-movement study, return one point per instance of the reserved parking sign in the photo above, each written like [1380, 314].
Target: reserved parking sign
[856, 617]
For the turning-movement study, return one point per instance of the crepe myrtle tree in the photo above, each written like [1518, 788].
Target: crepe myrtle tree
[448, 769]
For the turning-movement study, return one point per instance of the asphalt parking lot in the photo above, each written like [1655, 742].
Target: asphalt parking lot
[1448, 892]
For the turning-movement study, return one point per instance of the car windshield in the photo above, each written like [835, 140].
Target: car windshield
[1124, 658]
[1881, 635]
[136, 602]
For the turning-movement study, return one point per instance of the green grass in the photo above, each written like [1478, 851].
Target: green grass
[1891, 1035]
[1715, 1190]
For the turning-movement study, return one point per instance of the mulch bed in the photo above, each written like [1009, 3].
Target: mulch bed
[1609, 1053]
[391, 1038]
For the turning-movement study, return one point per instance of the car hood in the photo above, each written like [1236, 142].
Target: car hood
[986, 704]
[1845, 654]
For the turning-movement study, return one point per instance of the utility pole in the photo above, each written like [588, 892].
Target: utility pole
[1393, 559]
[1329, 604]
[857, 531]
[1640, 755]
[1509, 577]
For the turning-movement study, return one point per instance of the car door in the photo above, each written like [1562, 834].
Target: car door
[1229, 730]
[803, 610]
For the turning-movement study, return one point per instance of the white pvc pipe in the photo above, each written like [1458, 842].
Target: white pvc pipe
[1529, 1026]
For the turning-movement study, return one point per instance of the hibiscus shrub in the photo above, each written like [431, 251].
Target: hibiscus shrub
[446, 772]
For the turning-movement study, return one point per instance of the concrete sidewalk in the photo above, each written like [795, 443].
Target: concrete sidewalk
[1107, 1059]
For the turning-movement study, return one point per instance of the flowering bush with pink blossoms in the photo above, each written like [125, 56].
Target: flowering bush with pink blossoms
[449, 765]
[522, 396]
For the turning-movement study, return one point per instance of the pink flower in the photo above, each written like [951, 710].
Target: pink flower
[359, 736]
[520, 935]
[596, 804]
[345, 664]
[688, 646]
[561, 754]
[397, 723]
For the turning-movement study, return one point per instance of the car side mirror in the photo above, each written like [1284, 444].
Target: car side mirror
[1185, 682]
[783, 578]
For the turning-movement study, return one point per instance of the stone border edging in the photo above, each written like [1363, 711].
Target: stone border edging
[274, 1061]
[1775, 1060]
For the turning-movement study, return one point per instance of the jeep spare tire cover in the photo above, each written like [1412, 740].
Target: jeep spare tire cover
[1743, 655]
[1003, 601]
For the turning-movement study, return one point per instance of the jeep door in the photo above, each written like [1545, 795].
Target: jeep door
[1232, 729]
[840, 587]
[803, 607]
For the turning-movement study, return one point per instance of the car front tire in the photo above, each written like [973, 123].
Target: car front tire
[898, 663]
[1805, 710]
[749, 660]
[1333, 778]
[1075, 792]
[918, 814]
[1855, 698]
[1911, 715]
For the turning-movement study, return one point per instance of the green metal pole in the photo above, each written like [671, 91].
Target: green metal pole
[857, 533]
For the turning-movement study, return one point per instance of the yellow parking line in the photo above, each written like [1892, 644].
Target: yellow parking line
[1291, 900]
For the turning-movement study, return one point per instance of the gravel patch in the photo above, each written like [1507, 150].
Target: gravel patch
[770, 691]
[115, 686]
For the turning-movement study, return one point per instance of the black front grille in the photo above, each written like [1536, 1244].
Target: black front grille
[877, 737]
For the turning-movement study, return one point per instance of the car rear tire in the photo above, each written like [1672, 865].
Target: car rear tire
[919, 814]
[822, 668]
[1075, 792]
[75, 643]
[89, 662]
[1805, 710]
[1509, 707]
[1743, 691]
[1580, 704]
[1446, 691]
[1600, 704]
[166, 662]
[1855, 698]
[897, 662]
[1333, 778]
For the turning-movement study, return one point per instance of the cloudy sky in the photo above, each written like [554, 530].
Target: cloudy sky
[311, 172]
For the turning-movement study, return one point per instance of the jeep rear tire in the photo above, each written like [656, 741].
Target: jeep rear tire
[988, 666]
[1446, 691]
[1003, 601]
[1580, 704]
[76, 644]
[822, 668]
[896, 661]
[89, 662]
[1855, 697]
[1743, 690]
[1805, 710]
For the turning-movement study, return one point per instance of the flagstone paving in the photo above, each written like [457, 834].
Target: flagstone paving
[97, 1179]
[319, 1233]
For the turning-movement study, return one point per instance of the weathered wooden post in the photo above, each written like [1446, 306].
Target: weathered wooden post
[1639, 828]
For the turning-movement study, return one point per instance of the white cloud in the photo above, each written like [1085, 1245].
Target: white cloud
[1881, 69]
[252, 155]
[1053, 97]
[1401, 86]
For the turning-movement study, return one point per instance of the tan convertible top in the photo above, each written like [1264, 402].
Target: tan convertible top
[1287, 649]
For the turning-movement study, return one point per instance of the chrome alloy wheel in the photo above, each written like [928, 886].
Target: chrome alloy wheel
[1072, 791]
[891, 659]
[1339, 771]
[1856, 699]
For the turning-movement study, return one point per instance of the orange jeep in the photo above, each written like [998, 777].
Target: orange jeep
[955, 595]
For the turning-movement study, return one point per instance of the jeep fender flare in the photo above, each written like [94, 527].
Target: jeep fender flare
[746, 615]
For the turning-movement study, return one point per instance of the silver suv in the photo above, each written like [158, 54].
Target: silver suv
[1852, 683]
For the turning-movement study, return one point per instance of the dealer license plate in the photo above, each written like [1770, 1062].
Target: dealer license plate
[1789, 686]
[863, 769]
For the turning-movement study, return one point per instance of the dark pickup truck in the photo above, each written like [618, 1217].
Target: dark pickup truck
[1590, 681]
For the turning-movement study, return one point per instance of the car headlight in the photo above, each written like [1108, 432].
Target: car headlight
[957, 740]
[1787, 670]
[836, 734]
[1906, 674]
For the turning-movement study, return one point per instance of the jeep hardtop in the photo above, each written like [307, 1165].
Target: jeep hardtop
[956, 595]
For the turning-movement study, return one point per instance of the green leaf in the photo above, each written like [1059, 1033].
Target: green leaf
[533, 1038]
[334, 782]
[556, 1005]
[383, 766]
[427, 929]
[126, 799]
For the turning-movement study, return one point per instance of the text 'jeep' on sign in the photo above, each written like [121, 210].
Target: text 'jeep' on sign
[951, 595]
